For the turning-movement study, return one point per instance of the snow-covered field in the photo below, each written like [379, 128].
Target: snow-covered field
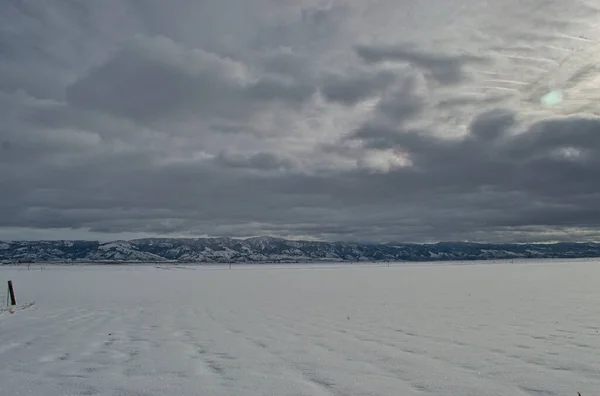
[481, 330]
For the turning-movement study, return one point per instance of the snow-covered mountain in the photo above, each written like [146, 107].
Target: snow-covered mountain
[267, 249]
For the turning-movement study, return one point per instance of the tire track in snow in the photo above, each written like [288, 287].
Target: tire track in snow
[376, 366]
[53, 350]
[318, 365]
[452, 353]
[191, 334]
[406, 365]
[274, 366]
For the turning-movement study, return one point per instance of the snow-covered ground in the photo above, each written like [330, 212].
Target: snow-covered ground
[481, 330]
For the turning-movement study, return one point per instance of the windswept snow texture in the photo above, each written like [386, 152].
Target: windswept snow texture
[427, 329]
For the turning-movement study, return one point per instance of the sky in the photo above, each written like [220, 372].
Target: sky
[353, 120]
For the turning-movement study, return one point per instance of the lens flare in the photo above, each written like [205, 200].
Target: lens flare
[552, 98]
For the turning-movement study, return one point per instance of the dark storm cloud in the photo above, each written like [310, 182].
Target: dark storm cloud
[446, 69]
[151, 78]
[402, 103]
[286, 63]
[492, 124]
[233, 128]
[351, 89]
[454, 188]
[276, 89]
[553, 161]
[230, 118]
[260, 161]
[458, 102]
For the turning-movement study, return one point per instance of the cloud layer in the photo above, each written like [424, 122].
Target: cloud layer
[369, 121]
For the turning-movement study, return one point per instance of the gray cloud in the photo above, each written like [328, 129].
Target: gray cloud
[153, 77]
[402, 103]
[277, 89]
[351, 89]
[471, 101]
[260, 161]
[239, 119]
[554, 160]
[492, 124]
[446, 69]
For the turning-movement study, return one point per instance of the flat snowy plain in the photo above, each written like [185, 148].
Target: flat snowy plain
[527, 328]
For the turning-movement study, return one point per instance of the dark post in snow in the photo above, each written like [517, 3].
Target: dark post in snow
[11, 292]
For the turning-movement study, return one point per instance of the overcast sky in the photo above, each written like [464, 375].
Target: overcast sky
[357, 120]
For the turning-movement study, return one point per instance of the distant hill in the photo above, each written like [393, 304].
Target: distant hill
[269, 250]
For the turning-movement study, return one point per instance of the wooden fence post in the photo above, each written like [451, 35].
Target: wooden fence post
[11, 292]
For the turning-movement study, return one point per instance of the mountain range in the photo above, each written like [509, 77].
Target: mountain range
[274, 250]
